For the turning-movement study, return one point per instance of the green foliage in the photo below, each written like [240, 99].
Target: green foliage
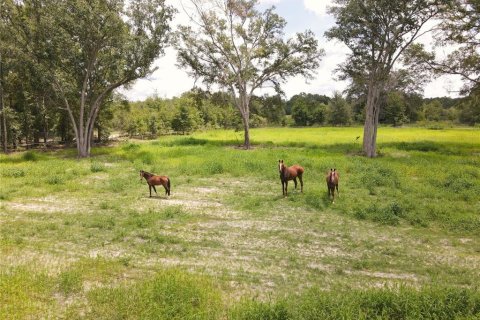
[70, 282]
[24, 294]
[116, 42]
[97, 167]
[339, 111]
[395, 109]
[399, 303]
[250, 55]
[30, 156]
[171, 294]
[55, 179]
[308, 109]
[14, 173]
[185, 120]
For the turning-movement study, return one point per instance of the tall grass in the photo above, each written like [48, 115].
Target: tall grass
[402, 303]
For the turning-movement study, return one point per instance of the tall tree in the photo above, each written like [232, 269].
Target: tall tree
[90, 48]
[461, 29]
[241, 49]
[377, 32]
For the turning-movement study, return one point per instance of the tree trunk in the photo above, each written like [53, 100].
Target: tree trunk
[244, 107]
[246, 130]
[371, 121]
[3, 125]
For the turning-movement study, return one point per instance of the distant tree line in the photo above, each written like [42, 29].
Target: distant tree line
[198, 109]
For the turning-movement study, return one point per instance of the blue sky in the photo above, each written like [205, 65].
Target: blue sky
[169, 80]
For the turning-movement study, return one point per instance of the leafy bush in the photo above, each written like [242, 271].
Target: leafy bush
[30, 156]
[388, 215]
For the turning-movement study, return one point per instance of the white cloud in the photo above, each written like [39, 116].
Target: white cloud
[319, 7]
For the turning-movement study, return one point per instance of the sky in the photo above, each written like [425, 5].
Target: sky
[169, 80]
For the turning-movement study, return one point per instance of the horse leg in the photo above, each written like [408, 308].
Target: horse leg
[295, 181]
[338, 193]
[166, 190]
[155, 190]
[283, 188]
[301, 183]
[286, 188]
[150, 189]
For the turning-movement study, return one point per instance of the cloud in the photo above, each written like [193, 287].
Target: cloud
[319, 7]
[169, 80]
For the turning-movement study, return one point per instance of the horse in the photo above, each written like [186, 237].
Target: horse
[154, 180]
[332, 183]
[290, 173]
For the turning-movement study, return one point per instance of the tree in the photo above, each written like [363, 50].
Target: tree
[87, 49]
[377, 32]
[338, 110]
[241, 49]
[308, 109]
[433, 111]
[184, 120]
[469, 109]
[461, 30]
[395, 109]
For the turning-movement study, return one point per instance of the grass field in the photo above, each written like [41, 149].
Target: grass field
[82, 239]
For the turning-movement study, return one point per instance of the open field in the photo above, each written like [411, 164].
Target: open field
[82, 239]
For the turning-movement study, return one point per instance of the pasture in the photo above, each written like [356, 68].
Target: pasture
[82, 239]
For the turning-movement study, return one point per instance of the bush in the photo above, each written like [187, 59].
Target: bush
[30, 156]
[388, 215]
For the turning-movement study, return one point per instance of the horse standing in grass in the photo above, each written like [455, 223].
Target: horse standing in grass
[332, 183]
[290, 173]
[154, 180]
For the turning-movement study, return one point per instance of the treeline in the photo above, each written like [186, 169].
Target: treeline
[29, 123]
[199, 109]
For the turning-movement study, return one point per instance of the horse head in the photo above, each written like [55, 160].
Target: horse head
[281, 166]
[142, 174]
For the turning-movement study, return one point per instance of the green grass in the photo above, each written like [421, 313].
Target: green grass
[82, 239]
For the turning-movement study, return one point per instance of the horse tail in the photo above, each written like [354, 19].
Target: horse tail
[300, 170]
[168, 186]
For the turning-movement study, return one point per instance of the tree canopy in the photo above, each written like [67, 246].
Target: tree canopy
[240, 49]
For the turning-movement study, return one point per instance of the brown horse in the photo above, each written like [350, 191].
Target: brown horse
[154, 180]
[332, 183]
[290, 173]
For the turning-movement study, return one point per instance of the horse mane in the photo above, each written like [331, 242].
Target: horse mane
[148, 174]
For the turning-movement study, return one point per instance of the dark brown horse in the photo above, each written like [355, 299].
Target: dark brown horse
[154, 180]
[290, 173]
[332, 183]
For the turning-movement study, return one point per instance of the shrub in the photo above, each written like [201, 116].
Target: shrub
[30, 156]
[97, 167]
